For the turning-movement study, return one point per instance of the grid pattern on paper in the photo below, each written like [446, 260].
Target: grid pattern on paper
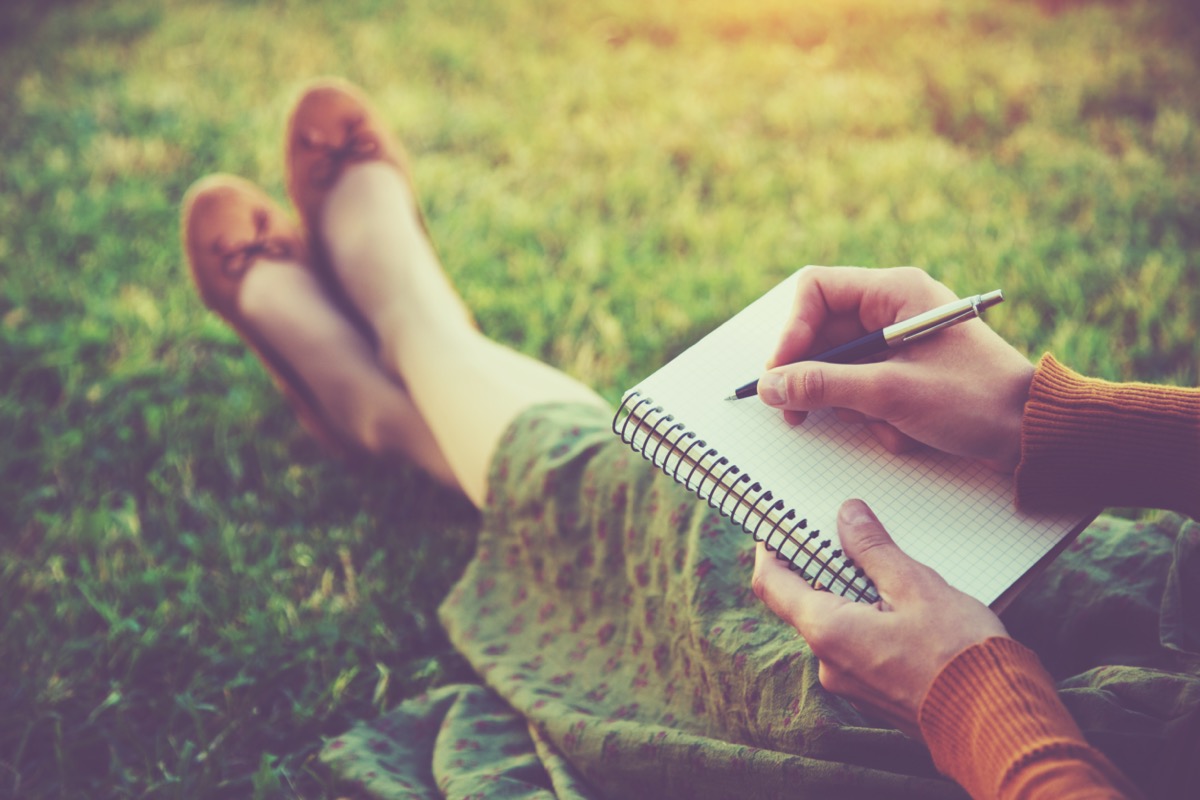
[953, 514]
[666, 442]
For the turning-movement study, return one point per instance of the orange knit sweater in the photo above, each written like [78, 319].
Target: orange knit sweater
[992, 718]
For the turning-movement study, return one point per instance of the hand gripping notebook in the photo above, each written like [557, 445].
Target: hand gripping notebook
[783, 485]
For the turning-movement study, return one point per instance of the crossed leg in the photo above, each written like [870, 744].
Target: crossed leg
[467, 388]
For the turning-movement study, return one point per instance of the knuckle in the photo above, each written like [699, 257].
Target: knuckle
[810, 388]
[758, 582]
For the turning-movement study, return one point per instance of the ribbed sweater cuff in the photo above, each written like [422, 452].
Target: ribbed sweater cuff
[993, 711]
[1088, 443]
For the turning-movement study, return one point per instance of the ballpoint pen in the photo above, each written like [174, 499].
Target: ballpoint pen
[897, 334]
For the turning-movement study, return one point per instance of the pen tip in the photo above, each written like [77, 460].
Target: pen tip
[731, 397]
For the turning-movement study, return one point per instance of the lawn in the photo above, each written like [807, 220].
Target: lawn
[192, 594]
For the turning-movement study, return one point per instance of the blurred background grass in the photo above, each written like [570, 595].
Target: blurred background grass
[191, 595]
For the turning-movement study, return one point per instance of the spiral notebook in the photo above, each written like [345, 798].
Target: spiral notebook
[784, 485]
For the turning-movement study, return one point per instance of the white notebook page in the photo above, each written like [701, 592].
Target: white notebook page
[950, 513]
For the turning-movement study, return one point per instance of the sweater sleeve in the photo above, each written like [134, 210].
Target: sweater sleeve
[994, 724]
[1088, 443]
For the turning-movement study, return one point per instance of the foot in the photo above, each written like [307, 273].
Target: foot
[250, 265]
[350, 180]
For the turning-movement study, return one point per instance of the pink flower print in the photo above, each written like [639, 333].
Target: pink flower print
[598, 694]
[649, 616]
[641, 680]
[496, 649]
[466, 744]
[657, 549]
[579, 651]
[626, 711]
[711, 528]
[605, 634]
[585, 558]
[562, 679]
[642, 574]
[783, 664]
[638, 641]
[516, 626]
[704, 567]
[661, 655]
[484, 587]
[566, 577]
[545, 612]
[620, 498]
[749, 625]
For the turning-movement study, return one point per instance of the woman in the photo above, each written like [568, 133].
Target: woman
[608, 612]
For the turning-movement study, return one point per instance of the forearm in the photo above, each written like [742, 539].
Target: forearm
[1087, 443]
[994, 724]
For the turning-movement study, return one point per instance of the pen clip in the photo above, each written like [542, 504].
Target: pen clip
[962, 316]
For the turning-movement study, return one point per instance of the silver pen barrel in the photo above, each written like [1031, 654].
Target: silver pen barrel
[941, 317]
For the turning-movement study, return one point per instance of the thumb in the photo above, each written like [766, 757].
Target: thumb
[871, 547]
[812, 385]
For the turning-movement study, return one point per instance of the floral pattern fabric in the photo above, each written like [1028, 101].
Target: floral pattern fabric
[622, 653]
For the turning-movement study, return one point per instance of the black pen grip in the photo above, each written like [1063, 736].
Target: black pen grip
[862, 347]
[848, 353]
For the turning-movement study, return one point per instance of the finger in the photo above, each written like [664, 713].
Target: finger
[795, 417]
[812, 310]
[851, 417]
[892, 439]
[787, 593]
[869, 545]
[871, 389]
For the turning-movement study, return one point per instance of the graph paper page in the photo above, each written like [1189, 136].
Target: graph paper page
[950, 513]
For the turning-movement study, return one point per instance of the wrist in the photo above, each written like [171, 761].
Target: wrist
[1006, 414]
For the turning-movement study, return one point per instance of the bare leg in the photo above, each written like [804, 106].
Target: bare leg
[285, 304]
[467, 387]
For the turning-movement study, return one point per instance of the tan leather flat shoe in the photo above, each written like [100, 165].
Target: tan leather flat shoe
[228, 224]
[331, 126]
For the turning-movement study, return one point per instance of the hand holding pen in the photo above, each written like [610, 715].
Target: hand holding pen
[957, 387]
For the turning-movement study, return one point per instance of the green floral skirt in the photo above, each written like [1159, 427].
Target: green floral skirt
[621, 652]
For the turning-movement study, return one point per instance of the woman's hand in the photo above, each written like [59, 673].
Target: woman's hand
[881, 657]
[962, 390]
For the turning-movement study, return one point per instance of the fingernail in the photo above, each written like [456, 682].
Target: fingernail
[855, 512]
[771, 389]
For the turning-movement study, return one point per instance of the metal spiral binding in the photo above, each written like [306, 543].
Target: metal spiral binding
[671, 446]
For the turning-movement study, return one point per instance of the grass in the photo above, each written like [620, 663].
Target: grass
[192, 596]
